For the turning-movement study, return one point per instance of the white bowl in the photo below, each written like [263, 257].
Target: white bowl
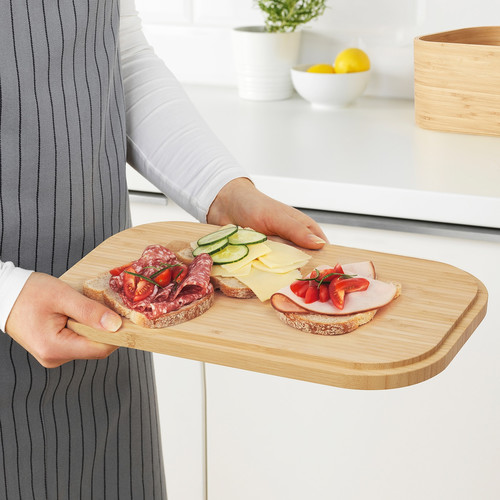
[329, 90]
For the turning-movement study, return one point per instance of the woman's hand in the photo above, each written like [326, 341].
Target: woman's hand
[240, 202]
[39, 316]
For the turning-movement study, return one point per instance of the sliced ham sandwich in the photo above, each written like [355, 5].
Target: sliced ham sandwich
[342, 299]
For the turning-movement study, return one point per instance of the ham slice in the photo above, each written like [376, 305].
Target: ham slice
[364, 269]
[283, 304]
[378, 294]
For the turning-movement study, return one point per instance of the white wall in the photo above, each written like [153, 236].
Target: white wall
[194, 36]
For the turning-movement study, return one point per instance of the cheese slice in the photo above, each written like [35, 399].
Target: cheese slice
[282, 255]
[258, 264]
[254, 252]
[220, 271]
[264, 284]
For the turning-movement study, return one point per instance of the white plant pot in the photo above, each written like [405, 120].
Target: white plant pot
[263, 61]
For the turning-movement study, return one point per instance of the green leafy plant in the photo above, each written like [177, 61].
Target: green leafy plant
[287, 15]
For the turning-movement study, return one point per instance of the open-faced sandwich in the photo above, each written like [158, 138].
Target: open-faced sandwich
[156, 290]
[334, 300]
[246, 263]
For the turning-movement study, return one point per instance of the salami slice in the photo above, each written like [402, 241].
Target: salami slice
[156, 255]
[198, 276]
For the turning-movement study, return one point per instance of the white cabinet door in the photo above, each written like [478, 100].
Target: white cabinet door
[180, 388]
[271, 438]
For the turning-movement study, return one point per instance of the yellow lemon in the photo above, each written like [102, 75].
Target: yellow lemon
[351, 61]
[321, 68]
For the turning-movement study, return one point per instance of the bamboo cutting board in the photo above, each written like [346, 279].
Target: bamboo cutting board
[410, 340]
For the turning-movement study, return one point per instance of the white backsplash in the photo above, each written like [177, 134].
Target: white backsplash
[194, 36]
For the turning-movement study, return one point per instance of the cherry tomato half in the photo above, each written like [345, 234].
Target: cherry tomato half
[144, 289]
[312, 294]
[179, 272]
[296, 285]
[336, 295]
[352, 284]
[164, 278]
[332, 274]
[324, 294]
[129, 283]
[299, 288]
[118, 270]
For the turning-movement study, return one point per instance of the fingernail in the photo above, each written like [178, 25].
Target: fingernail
[316, 239]
[111, 322]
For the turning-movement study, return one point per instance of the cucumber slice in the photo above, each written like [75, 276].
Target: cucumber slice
[210, 249]
[246, 237]
[217, 235]
[229, 254]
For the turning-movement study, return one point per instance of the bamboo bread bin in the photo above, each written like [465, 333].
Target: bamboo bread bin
[457, 81]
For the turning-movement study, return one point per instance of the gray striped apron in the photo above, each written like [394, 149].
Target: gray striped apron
[89, 429]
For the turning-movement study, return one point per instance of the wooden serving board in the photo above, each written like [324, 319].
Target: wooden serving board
[410, 340]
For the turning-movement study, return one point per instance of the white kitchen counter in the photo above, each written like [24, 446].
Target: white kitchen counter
[369, 158]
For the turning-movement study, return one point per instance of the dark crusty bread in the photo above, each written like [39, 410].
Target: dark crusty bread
[230, 286]
[98, 289]
[322, 324]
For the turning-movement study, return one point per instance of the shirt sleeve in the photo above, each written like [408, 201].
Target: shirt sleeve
[168, 141]
[12, 280]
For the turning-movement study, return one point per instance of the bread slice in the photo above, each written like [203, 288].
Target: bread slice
[182, 250]
[323, 324]
[230, 286]
[98, 289]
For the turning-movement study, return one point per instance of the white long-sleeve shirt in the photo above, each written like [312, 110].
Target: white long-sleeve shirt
[165, 136]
